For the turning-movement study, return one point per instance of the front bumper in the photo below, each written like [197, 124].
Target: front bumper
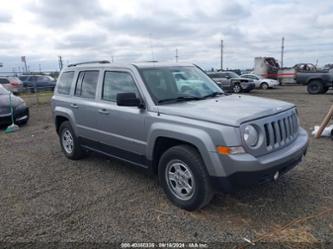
[20, 116]
[247, 87]
[244, 170]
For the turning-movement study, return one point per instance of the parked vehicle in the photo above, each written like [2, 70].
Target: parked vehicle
[38, 82]
[232, 82]
[261, 82]
[21, 111]
[197, 139]
[12, 84]
[317, 82]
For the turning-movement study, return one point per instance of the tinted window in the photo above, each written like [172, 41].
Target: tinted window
[65, 82]
[117, 82]
[23, 78]
[86, 84]
[4, 81]
[42, 79]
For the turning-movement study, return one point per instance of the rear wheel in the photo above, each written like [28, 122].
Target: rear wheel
[315, 87]
[69, 142]
[264, 85]
[237, 88]
[184, 179]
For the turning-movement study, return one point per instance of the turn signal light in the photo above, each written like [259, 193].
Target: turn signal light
[225, 150]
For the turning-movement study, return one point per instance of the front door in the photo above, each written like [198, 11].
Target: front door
[121, 129]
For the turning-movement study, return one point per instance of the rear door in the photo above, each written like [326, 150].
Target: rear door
[83, 104]
[225, 82]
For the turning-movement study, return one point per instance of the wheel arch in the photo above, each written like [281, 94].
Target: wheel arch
[61, 115]
[162, 139]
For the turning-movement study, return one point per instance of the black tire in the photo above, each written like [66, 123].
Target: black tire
[76, 152]
[187, 156]
[315, 87]
[264, 86]
[237, 88]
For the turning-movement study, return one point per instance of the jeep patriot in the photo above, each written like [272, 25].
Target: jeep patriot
[174, 121]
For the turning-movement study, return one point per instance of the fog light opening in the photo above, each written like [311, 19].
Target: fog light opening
[276, 175]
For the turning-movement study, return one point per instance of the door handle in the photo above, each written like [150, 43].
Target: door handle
[103, 111]
[74, 106]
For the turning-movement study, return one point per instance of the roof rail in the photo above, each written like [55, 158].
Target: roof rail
[88, 62]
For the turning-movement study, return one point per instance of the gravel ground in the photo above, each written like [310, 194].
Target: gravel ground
[46, 197]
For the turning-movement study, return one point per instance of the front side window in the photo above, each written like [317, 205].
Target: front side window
[117, 82]
[178, 83]
[65, 82]
[86, 84]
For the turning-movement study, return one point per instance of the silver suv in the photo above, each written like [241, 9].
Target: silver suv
[174, 121]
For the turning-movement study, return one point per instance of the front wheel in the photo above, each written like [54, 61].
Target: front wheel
[69, 142]
[184, 179]
[264, 86]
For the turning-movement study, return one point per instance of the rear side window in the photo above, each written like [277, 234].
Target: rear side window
[86, 84]
[65, 82]
[4, 81]
[117, 82]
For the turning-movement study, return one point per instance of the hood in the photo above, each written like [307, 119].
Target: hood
[4, 103]
[230, 109]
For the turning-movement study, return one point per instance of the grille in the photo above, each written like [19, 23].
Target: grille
[280, 132]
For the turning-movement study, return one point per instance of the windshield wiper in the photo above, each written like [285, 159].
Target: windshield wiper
[179, 99]
[211, 95]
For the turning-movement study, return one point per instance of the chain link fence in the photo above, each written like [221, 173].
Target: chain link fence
[33, 92]
[36, 95]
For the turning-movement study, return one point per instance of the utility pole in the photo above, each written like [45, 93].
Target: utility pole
[40, 68]
[221, 54]
[282, 51]
[60, 63]
[177, 55]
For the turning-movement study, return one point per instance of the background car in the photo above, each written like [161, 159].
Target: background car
[261, 82]
[232, 82]
[21, 111]
[38, 82]
[12, 84]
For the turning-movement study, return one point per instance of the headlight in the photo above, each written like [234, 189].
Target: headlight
[251, 135]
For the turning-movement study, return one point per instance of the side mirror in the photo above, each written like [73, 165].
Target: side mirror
[128, 99]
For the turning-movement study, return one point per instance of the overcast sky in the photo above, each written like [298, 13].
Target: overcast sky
[138, 30]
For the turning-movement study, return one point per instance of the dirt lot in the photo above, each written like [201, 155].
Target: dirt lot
[46, 197]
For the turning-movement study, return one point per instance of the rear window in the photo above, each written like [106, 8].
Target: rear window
[23, 77]
[4, 81]
[86, 84]
[65, 82]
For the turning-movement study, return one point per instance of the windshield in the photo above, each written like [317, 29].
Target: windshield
[179, 84]
[3, 90]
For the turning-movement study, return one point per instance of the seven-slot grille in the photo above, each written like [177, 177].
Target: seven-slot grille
[280, 132]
